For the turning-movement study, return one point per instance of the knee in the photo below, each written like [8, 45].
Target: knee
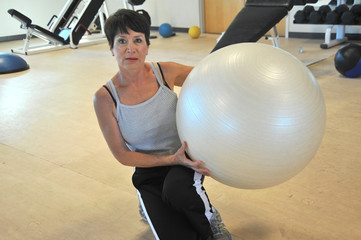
[178, 189]
[174, 190]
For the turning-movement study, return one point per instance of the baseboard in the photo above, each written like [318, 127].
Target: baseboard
[12, 38]
[175, 29]
[350, 36]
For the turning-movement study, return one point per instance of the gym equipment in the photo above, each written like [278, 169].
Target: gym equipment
[340, 16]
[340, 32]
[66, 30]
[165, 30]
[334, 2]
[133, 3]
[304, 2]
[348, 18]
[303, 16]
[136, 2]
[353, 16]
[356, 10]
[334, 17]
[194, 32]
[248, 26]
[348, 60]
[319, 16]
[57, 23]
[145, 14]
[10, 63]
[142, 12]
[253, 113]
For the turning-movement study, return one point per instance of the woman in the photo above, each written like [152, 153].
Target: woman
[136, 113]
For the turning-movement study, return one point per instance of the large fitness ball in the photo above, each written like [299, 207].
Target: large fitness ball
[348, 60]
[253, 113]
[165, 30]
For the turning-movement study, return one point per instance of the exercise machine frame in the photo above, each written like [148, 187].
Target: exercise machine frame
[72, 30]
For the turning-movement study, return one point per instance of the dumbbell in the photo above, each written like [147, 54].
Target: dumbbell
[334, 17]
[334, 2]
[302, 16]
[320, 15]
[352, 16]
[356, 9]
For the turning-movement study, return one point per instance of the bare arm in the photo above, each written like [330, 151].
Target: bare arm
[105, 112]
[175, 74]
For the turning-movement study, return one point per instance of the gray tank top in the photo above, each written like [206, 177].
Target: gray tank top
[150, 127]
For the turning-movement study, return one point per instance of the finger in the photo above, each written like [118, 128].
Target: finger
[199, 166]
[204, 171]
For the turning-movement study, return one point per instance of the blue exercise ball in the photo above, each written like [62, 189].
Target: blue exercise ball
[348, 60]
[165, 30]
[10, 63]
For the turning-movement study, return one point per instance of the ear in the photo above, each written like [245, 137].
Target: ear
[111, 49]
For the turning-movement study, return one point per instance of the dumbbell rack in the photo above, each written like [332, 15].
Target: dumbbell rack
[340, 33]
[340, 26]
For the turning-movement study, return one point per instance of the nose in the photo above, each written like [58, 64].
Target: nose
[130, 47]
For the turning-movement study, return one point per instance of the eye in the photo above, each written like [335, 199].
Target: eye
[138, 40]
[121, 41]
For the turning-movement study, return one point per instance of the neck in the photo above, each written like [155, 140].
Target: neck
[131, 76]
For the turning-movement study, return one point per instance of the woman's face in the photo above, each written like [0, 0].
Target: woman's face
[130, 49]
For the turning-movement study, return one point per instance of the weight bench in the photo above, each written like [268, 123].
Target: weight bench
[36, 30]
[254, 21]
[67, 30]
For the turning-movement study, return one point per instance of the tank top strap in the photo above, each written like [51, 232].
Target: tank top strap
[158, 74]
[113, 91]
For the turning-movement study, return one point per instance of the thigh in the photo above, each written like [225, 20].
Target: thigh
[165, 221]
[183, 190]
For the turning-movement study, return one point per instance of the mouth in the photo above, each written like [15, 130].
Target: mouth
[131, 59]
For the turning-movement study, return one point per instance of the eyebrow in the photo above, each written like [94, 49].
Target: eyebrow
[125, 34]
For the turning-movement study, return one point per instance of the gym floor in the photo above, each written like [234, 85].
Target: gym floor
[58, 180]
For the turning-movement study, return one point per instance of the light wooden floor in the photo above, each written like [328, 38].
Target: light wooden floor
[59, 181]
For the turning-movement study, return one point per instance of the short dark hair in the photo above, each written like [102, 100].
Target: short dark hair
[123, 19]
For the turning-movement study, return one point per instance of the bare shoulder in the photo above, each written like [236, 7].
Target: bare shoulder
[175, 72]
[100, 95]
[102, 99]
[173, 66]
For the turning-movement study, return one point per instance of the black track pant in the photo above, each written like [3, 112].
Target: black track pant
[175, 202]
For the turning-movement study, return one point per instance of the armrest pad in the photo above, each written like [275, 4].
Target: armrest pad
[20, 17]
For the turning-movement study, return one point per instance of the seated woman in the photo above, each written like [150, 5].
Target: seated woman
[136, 111]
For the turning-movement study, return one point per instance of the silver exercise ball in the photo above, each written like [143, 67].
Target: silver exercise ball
[253, 113]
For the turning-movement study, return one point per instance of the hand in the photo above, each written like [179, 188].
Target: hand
[181, 159]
